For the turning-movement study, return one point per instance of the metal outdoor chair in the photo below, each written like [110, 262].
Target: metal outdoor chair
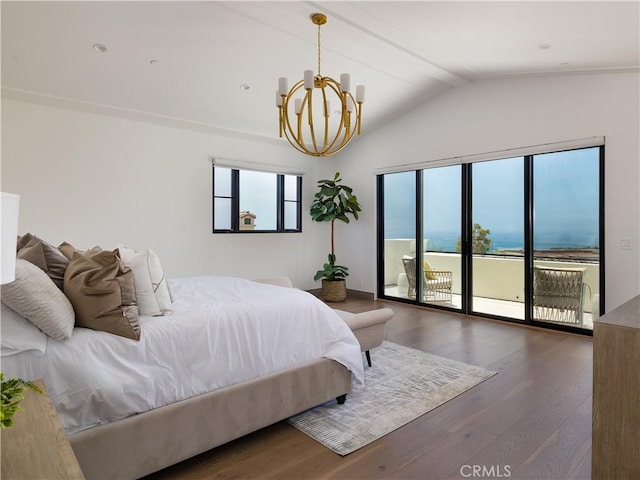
[436, 286]
[558, 294]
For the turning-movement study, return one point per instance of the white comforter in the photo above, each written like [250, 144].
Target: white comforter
[223, 331]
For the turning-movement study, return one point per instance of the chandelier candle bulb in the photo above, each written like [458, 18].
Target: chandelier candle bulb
[298, 105]
[278, 99]
[283, 85]
[360, 94]
[308, 79]
[345, 80]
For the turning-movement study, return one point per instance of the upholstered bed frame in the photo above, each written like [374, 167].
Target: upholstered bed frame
[145, 443]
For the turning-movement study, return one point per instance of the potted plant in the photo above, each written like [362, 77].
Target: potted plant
[333, 201]
[11, 397]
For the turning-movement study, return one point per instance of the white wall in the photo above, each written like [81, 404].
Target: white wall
[98, 180]
[93, 179]
[511, 113]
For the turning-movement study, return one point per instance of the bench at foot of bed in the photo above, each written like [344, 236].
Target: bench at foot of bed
[370, 328]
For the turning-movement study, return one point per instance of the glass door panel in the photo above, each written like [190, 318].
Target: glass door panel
[399, 233]
[566, 241]
[497, 238]
[441, 223]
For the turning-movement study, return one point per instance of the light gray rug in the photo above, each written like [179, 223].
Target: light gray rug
[402, 384]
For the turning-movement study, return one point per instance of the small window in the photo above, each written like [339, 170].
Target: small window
[256, 202]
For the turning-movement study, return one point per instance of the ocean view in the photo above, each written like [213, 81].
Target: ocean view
[446, 241]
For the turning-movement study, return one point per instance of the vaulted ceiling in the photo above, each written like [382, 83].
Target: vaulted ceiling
[192, 62]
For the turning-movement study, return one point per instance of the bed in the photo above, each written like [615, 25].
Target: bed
[233, 356]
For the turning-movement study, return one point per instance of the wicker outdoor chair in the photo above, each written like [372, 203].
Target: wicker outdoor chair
[436, 286]
[558, 294]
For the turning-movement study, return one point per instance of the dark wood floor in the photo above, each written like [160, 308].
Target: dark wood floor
[531, 421]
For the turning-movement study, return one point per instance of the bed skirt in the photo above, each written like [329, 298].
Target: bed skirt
[148, 442]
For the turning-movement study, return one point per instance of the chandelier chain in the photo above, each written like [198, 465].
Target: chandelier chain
[319, 74]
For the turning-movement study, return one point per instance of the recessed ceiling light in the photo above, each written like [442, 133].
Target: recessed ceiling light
[544, 46]
[245, 86]
[153, 61]
[565, 64]
[99, 47]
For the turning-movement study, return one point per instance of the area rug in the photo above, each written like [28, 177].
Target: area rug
[402, 385]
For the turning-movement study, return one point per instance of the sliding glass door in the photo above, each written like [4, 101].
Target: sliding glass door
[497, 238]
[441, 234]
[566, 237]
[399, 232]
[422, 258]
[517, 238]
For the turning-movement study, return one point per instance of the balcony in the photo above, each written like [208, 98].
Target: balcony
[498, 279]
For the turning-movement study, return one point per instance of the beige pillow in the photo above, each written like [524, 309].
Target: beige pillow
[45, 256]
[34, 296]
[152, 291]
[102, 292]
[68, 250]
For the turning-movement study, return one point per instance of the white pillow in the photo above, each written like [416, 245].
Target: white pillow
[20, 335]
[152, 291]
[34, 296]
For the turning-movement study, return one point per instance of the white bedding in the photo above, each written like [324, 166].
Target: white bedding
[223, 331]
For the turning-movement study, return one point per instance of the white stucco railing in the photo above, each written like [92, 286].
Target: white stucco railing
[494, 276]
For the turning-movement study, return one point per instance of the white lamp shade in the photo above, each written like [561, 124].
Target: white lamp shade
[283, 85]
[345, 82]
[308, 79]
[10, 207]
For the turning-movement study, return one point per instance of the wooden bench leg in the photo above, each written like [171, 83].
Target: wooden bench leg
[368, 357]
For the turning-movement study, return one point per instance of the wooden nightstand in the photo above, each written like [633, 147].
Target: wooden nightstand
[36, 445]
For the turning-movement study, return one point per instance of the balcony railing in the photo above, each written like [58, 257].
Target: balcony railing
[498, 279]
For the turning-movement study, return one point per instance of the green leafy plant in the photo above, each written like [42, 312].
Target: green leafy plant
[12, 390]
[480, 240]
[333, 201]
[331, 271]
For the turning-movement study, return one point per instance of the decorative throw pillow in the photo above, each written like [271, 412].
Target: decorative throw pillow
[428, 270]
[23, 240]
[101, 289]
[34, 296]
[68, 250]
[45, 256]
[20, 335]
[152, 291]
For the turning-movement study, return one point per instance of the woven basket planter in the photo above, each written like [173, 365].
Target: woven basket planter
[334, 290]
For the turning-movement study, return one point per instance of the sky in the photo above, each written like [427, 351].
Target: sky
[566, 199]
[258, 195]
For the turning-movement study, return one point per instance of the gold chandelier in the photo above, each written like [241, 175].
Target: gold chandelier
[306, 119]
